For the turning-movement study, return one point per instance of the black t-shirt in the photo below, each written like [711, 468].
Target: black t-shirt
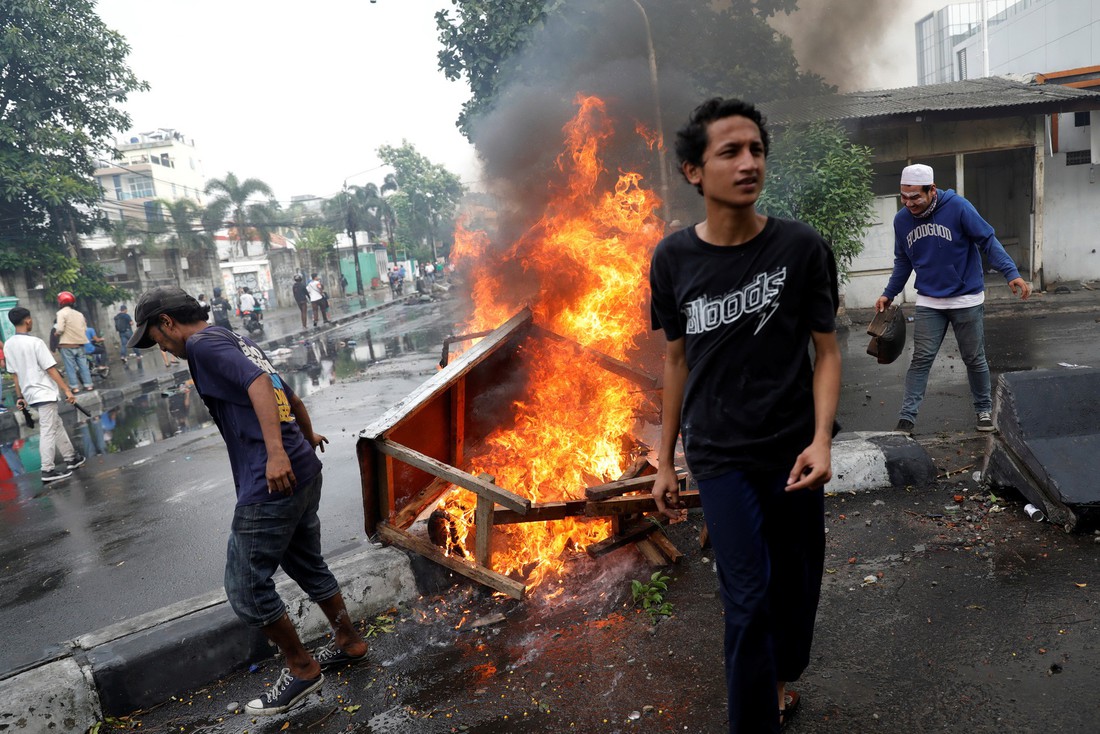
[300, 295]
[746, 313]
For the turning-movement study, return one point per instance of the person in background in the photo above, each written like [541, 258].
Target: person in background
[38, 383]
[124, 325]
[740, 297]
[72, 331]
[343, 284]
[277, 477]
[941, 236]
[96, 350]
[301, 297]
[317, 298]
[219, 310]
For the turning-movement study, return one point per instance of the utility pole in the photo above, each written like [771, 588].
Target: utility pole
[657, 107]
[354, 244]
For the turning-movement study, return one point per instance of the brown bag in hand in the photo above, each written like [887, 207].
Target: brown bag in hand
[887, 332]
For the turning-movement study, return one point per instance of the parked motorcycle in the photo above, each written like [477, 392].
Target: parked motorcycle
[253, 321]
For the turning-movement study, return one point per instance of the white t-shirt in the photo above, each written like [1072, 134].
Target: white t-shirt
[314, 290]
[248, 302]
[28, 357]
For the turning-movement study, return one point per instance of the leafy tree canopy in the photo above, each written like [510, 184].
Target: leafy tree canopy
[817, 175]
[426, 197]
[62, 71]
[724, 47]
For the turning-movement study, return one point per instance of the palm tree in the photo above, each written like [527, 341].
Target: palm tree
[186, 236]
[236, 196]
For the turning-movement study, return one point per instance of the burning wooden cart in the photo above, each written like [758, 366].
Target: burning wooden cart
[415, 452]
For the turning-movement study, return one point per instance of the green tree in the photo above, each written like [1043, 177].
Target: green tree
[718, 47]
[425, 200]
[817, 175]
[62, 71]
[319, 243]
[249, 215]
[189, 236]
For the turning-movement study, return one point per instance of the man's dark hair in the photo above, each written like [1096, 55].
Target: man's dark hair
[190, 314]
[18, 315]
[691, 139]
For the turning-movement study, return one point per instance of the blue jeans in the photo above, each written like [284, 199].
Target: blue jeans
[769, 546]
[76, 365]
[281, 532]
[123, 337]
[929, 329]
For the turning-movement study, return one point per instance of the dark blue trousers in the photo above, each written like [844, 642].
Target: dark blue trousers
[770, 549]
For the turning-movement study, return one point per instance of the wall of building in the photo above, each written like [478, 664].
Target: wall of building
[1038, 36]
[1072, 221]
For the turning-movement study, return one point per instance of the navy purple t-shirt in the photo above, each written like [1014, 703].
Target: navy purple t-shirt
[223, 364]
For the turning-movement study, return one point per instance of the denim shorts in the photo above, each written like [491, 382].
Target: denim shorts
[282, 532]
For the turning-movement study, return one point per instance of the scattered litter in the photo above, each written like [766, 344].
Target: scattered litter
[140, 461]
[1069, 366]
[232, 707]
[869, 579]
[488, 619]
[1034, 513]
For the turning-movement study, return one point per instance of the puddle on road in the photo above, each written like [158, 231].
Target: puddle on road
[308, 365]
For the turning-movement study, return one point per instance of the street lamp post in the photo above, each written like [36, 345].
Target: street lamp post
[657, 107]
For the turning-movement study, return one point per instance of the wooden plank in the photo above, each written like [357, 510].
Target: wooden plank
[541, 512]
[498, 582]
[615, 366]
[433, 491]
[618, 540]
[483, 523]
[440, 381]
[622, 486]
[453, 475]
[666, 547]
[649, 551]
[704, 537]
[364, 452]
[636, 503]
[458, 421]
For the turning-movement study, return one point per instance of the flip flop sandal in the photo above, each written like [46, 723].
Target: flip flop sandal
[790, 708]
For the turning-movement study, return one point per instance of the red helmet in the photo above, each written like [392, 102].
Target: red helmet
[65, 298]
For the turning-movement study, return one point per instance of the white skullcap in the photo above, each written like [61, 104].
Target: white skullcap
[917, 174]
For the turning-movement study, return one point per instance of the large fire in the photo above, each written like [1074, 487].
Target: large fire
[589, 253]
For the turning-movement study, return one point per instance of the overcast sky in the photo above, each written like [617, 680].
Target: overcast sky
[301, 95]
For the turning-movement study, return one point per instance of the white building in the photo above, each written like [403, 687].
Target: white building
[1055, 42]
[161, 164]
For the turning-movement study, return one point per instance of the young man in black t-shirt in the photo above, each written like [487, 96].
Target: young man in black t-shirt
[740, 297]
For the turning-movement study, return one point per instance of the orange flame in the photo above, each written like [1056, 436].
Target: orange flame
[653, 138]
[589, 254]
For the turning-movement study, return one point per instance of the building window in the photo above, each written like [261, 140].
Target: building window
[141, 187]
[1078, 157]
[1080, 119]
[153, 212]
[960, 62]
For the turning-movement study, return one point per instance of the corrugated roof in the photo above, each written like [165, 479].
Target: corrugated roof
[987, 97]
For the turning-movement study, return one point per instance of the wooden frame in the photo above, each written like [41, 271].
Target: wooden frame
[411, 455]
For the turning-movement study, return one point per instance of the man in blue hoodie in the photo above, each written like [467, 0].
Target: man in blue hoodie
[941, 236]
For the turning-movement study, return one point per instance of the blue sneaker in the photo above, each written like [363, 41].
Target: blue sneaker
[285, 694]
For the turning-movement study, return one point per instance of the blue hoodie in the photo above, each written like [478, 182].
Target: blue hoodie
[945, 249]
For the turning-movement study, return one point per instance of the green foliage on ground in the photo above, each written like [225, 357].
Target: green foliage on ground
[650, 596]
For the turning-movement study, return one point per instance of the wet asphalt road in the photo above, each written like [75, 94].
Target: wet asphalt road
[978, 621]
[143, 527]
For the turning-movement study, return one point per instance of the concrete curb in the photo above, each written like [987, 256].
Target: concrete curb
[144, 661]
[864, 461]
